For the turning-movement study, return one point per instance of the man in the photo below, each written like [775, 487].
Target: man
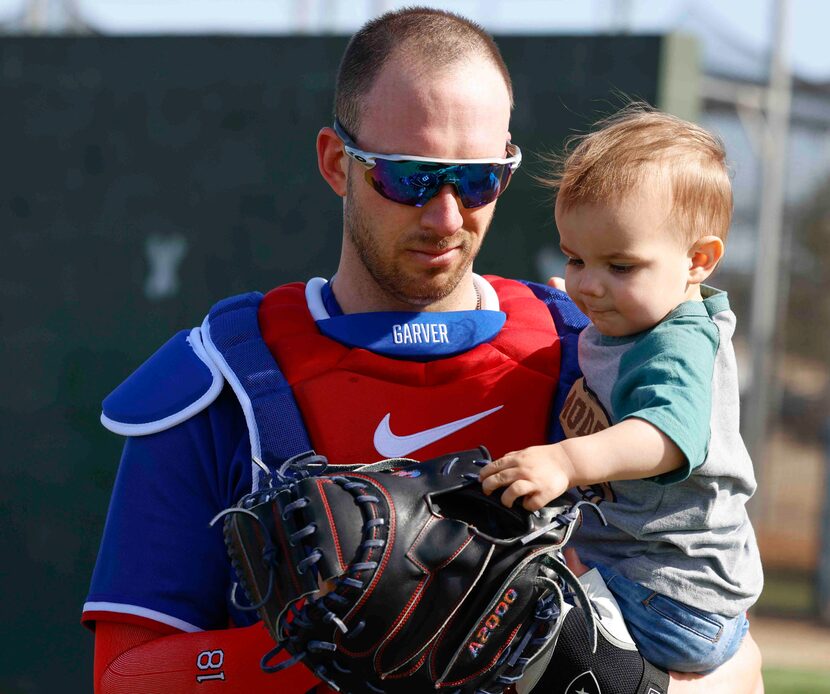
[404, 352]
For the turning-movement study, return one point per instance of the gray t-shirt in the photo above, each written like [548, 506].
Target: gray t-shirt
[685, 534]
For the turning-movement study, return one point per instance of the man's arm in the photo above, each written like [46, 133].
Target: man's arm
[741, 674]
[133, 659]
[159, 594]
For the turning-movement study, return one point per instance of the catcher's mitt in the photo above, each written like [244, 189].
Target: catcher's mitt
[401, 576]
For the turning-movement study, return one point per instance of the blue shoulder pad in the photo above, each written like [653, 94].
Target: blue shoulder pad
[174, 384]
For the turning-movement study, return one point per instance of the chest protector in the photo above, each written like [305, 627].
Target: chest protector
[361, 387]
[359, 406]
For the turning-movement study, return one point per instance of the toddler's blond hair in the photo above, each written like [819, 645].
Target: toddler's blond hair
[642, 146]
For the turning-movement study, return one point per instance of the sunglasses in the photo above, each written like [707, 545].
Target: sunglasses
[412, 180]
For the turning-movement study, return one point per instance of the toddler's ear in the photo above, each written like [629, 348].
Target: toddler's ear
[704, 256]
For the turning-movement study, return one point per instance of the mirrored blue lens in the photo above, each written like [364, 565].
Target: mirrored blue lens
[416, 183]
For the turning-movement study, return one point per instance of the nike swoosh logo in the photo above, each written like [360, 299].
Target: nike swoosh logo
[390, 445]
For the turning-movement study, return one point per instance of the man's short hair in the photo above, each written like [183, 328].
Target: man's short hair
[430, 37]
[642, 146]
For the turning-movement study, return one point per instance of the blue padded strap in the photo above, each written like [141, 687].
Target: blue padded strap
[233, 339]
[569, 322]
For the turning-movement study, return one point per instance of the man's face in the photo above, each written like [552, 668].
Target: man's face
[416, 257]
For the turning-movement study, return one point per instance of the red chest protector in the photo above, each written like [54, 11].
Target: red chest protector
[359, 406]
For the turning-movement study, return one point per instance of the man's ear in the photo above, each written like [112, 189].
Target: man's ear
[332, 160]
[704, 256]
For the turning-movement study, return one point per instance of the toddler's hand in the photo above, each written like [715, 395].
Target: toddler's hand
[539, 474]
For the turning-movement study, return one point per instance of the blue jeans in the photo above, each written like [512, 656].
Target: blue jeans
[671, 634]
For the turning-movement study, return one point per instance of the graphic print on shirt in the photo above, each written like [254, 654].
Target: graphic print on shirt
[583, 414]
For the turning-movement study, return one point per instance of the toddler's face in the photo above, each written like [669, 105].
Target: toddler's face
[627, 266]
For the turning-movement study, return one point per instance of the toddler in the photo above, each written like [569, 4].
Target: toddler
[651, 429]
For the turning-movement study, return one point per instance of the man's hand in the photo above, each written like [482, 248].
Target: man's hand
[539, 474]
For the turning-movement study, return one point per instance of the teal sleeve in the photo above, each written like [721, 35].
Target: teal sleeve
[666, 380]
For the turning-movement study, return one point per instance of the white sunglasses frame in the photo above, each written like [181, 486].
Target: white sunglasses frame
[368, 158]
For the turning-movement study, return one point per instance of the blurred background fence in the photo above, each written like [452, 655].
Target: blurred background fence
[144, 177]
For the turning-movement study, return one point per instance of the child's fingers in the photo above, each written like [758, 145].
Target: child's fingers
[498, 478]
[515, 490]
[493, 467]
[533, 502]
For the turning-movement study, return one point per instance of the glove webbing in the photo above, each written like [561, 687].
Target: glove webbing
[294, 620]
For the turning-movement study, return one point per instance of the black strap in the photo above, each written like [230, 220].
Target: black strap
[574, 668]
[655, 680]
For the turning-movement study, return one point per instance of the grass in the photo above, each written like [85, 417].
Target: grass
[791, 594]
[780, 681]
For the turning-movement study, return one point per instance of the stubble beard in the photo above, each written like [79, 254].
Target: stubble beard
[414, 288]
